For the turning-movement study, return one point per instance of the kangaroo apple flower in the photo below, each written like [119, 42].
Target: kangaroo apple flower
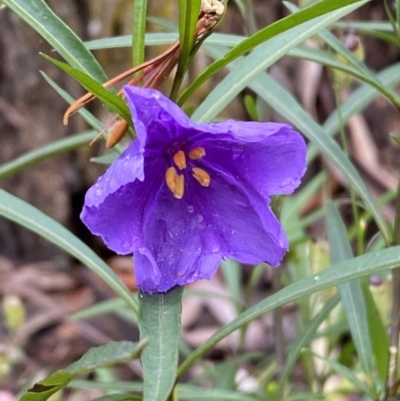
[183, 195]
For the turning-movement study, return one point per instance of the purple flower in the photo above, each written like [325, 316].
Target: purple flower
[183, 195]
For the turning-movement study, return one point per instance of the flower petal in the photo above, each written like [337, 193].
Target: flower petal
[155, 114]
[272, 164]
[186, 238]
[178, 244]
[118, 217]
[127, 168]
[247, 229]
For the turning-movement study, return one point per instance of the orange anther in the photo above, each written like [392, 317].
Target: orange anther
[197, 153]
[170, 177]
[180, 187]
[117, 133]
[180, 159]
[201, 176]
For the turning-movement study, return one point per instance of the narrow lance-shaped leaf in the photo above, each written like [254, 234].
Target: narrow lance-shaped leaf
[303, 341]
[45, 152]
[245, 70]
[113, 102]
[360, 266]
[304, 15]
[159, 322]
[283, 102]
[351, 293]
[43, 20]
[33, 219]
[99, 357]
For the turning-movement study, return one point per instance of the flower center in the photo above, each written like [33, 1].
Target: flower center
[176, 181]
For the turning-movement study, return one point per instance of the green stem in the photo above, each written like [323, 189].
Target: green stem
[138, 32]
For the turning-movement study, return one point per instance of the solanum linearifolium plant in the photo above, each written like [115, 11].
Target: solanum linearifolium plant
[187, 196]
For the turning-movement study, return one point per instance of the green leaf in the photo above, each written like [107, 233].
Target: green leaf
[396, 28]
[45, 152]
[304, 15]
[165, 38]
[98, 309]
[22, 213]
[287, 105]
[138, 31]
[113, 102]
[365, 25]
[395, 138]
[117, 385]
[159, 322]
[324, 58]
[251, 107]
[347, 373]
[191, 393]
[303, 341]
[118, 397]
[293, 204]
[360, 266]
[378, 333]
[87, 116]
[358, 100]
[98, 357]
[351, 293]
[232, 273]
[107, 158]
[245, 70]
[41, 18]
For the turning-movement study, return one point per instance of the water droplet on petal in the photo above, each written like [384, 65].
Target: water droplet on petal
[286, 182]
[224, 257]
[142, 250]
[200, 218]
[125, 244]
[215, 249]
[190, 209]
[99, 192]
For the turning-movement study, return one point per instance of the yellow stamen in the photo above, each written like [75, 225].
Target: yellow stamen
[197, 153]
[170, 177]
[180, 186]
[180, 159]
[201, 176]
